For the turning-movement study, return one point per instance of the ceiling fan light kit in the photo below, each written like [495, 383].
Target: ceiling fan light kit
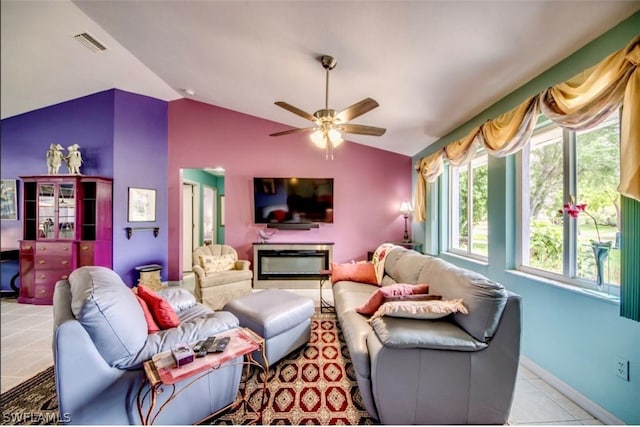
[329, 125]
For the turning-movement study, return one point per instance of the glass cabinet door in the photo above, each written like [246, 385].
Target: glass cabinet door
[46, 211]
[66, 211]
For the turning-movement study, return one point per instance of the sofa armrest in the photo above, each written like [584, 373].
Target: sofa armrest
[199, 271]
[187, 332]
[396, 332]
[243, 264]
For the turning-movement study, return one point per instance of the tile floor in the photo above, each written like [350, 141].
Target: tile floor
[26, 350]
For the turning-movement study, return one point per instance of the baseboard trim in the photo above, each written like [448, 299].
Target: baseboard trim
[584, 402]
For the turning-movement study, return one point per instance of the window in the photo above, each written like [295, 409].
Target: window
[585, 164]
[468, 208]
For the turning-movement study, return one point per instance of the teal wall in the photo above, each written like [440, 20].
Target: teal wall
[573, 335]
[204, 178]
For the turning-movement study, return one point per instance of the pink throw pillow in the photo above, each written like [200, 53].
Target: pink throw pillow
[378, 297]
[357, 272]
[164, 315]
[152, 326]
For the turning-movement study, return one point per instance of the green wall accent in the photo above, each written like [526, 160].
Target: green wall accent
[630, 291]
[574, 335]
[217, 182]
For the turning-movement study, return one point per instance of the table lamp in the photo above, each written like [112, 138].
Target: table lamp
[405, 210]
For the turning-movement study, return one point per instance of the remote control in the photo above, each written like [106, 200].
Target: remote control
[220, 345]
[204, 348]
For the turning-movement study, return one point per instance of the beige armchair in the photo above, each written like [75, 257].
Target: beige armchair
[220, 276]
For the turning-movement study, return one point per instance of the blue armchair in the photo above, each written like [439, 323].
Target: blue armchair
[100, 342]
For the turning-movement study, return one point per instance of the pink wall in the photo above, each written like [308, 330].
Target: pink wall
[369, 184]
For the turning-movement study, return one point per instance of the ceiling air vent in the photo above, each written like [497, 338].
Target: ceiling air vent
[90, 42]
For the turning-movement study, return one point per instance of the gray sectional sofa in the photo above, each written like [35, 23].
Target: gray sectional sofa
[460, 369]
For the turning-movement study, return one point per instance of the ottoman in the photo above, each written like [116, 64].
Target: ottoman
[282, 318]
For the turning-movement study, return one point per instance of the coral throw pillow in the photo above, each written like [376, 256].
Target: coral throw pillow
[356, 272]
[152, 326]
[164, 315]
[380, 295]
[421, 309]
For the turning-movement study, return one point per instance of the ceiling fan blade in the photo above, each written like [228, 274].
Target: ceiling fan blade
[357, 109]
[290, 131]
[296, 110]
[362, 129]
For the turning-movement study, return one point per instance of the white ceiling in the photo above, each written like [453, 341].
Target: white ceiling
[432, 65]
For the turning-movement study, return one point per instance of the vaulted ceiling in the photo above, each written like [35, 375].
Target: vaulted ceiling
[431, 65]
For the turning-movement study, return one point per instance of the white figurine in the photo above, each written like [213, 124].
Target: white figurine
[74, 159]
[54, 159]
[264, 235]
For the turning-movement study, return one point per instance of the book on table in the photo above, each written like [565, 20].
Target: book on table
[162, 367]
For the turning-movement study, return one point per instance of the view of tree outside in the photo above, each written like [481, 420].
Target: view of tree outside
[471, 208]
[597, 176]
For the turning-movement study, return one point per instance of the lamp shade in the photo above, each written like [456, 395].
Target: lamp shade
[405, 208]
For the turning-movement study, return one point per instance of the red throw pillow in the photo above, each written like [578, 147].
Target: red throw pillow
[164, 315]
[152, 326]
[361, 272]
[378, 297]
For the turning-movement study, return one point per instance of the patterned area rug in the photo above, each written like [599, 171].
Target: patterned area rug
[314, 385]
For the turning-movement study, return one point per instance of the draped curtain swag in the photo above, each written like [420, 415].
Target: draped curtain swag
[580, 103]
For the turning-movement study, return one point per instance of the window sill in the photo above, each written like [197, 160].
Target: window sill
[571, 288]
[467, 258]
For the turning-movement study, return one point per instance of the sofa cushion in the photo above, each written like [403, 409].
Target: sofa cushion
[378, 297]
[109, 312]
[226, 277]
[405, 265]
[420, 309]
[163, 313]
[179, 298]
[431, 334]
[363, 272]
[484, 298]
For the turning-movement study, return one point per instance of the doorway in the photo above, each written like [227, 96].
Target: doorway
[190, 223]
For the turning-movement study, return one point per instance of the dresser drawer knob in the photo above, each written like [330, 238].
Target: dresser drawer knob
[66, 249]
[42, 276]
[64, 262]
[41, 262]
[42, 291]
[85, 247]
[27, 248]
[44, 248]
[64, 277]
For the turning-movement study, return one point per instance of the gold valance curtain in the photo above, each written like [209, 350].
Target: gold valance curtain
[579, 103]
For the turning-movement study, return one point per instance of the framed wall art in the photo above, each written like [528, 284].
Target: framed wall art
[142, 205]
[9, 199]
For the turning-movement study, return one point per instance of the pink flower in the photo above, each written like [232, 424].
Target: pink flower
[573, 209]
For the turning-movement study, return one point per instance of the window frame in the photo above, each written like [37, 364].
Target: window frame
[453, 214]
[570, 228]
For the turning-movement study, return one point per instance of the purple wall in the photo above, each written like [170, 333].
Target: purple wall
[140, 153]
[369, 184]
[86, 121]
[112, 128]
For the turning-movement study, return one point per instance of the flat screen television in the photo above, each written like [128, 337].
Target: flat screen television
[293, 200]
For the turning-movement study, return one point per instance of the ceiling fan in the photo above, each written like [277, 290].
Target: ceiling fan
[329, 124]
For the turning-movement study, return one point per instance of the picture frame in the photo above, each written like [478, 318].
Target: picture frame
[142, 205]
[9, 199]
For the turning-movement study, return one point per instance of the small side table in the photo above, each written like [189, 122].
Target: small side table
[325, 306]
[150, 276]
